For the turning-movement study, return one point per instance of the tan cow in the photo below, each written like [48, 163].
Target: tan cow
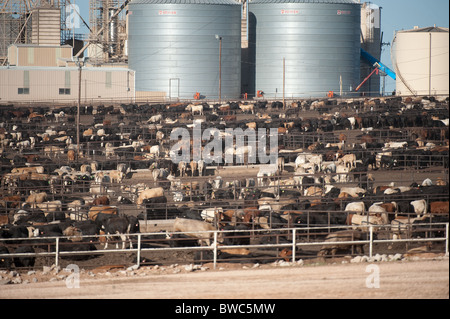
[30, 169]
[195, 229]
[149, 193]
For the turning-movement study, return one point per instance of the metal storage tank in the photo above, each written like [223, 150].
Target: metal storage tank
[175, 47]
[371, 39]
[421, 60]
[319, 40]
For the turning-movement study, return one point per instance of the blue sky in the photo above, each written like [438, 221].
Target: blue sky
[395, 15]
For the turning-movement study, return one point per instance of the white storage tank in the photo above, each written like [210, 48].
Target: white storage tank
[421, 60]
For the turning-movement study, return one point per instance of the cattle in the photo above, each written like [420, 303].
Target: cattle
[211, 215]
[194, 167]
[101, 200]
[439, 207]
[390, 145]
[201, 167]
[26, 170]
[247, 108]
[195, 109]
[313, 191]
[356, 207]
[36, 198]
[71, 155]
[348, 160]
[24, 261]
[341, 236]
[116, 176]
[354, 191]
[342, 174]
[121, 226]
[182, 168]
[14, 231]
[5, 262]
[420, 207]
[365, 220]
[196, 229]
[105, 210]
[50, 207]
[149, 193]
[265, 172]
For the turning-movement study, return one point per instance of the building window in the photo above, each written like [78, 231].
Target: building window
[23, 91]
[63, 91]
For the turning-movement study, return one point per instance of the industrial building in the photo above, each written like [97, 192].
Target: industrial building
[166, 50]
[421, 60]
[41, 62]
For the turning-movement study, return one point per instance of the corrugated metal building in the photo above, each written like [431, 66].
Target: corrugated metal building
[38, 55]
[46, 26]
[60, 85]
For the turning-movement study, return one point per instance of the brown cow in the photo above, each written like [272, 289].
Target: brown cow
[71, 155]
[95, 210]
[102, 200]
[439, 207]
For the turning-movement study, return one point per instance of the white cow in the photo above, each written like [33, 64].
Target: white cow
[265, 172]
[201, 167]
[195, 108]
[355, 207]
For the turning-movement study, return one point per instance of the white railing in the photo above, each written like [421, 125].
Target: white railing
[215, 246]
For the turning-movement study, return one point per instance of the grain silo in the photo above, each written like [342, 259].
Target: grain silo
[319, 41]
[421, 60]
[176, 47]
[371, 39]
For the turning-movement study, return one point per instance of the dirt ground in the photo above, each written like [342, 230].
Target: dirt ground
[413, 279]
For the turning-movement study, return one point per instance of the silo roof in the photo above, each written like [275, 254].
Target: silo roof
[217, 2]
[307, 1]
[427, 29]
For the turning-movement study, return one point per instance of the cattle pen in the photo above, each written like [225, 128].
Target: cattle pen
[398, 149]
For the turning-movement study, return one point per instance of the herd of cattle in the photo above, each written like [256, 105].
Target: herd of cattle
[51, 187]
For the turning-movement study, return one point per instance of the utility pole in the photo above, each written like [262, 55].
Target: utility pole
[284, 81]
[220, 67]
[80, 66]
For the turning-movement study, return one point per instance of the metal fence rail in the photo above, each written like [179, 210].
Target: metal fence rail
[215, 246]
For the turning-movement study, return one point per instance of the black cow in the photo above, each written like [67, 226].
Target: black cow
[10, 231]
[25, 261]
[121, 226]
[387, 162]
[238, 235]
[5, 262]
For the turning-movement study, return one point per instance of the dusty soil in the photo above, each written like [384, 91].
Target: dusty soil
[415, 279]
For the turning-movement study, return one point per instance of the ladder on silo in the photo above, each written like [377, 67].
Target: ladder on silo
[244, 24]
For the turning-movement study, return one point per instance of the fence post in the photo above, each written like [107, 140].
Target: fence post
[446, 238]
[138, 263]
[371, 241]
[57, 252]
[215, 249]
[293, 244]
